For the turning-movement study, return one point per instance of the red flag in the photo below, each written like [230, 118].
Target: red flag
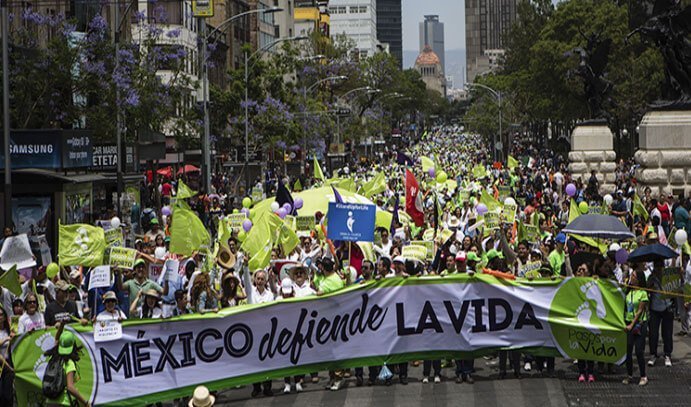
[413, 199]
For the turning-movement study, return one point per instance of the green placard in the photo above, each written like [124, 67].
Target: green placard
[504, 192]
[530, 232]
[122, 257]
[508, 214]
[429, 245]
[492, 220]
[414, 252]
[463, 195]
[304, 223]
[529, 269]
[236, 219]
[671, 281]
[113, 237]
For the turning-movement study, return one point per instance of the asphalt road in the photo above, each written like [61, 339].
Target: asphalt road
[667, 387]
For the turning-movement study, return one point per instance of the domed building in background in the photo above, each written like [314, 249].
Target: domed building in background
[428, 65]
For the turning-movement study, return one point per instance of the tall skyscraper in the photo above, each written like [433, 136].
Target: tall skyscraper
[486, 23]
[389, 29]
[432, 34]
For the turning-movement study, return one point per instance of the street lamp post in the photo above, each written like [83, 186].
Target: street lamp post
[367, 89]
[247, 75]
[206, 147]
[498, 96]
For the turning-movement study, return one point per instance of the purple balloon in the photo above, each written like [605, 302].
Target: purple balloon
[481, 209]
[281, 212]
[431, 172]
[245, 211]
[570, 189]
[621, 256]
[247, 225]
[298, 203]
[165, 210]
[287, 207]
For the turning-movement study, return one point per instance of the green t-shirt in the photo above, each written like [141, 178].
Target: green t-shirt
[64, 398]
[556, 260]
[331, 283]
[134, 288]
[633, 299]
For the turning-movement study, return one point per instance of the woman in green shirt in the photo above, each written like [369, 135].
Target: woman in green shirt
[636, 320]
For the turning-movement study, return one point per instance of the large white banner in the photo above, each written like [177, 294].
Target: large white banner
[385, 321]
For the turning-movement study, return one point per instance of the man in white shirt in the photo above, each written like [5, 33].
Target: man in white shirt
[260, 295]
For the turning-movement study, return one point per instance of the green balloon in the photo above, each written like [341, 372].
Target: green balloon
[236, 210]
[583, 207]
[442, 177]
[247, 202]
[52, 270]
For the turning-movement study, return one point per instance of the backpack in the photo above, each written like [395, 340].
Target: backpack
[54, 379]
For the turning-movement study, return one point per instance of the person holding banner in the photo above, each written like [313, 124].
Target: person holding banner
[62, 309]
[231, 292]
[204, 299]
[260, 295]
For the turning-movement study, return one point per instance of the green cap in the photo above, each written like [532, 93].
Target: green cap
[139, 262]
[472, 256]
[66, 343]
[493, 254]
[154, 221]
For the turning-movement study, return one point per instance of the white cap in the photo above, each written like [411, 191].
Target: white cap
[399, 259]
[286, 286]
[614, 247]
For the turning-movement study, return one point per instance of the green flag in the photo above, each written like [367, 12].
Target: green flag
[184, 191]
[479, 171]
[287, 238]
[224, 232]
[187, 232]
[639, 208]
[489, 201]
[260, 239]
[512, 163]
[374, 186]
[297, 186]
[318, 174]
[10, 280]
[81, 245]
[342, 183]
[427, 163]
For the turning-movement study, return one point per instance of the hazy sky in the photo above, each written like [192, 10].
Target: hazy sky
[451, 13]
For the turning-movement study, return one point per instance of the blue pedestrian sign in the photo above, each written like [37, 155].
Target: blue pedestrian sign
[351, 222]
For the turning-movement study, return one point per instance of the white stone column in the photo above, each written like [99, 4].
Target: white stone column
[592, 149]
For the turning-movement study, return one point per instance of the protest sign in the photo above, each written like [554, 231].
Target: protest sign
[351, 222]
[304, 223]
[16, 251]
[672, 281]
[504, 192]
[492, 220]
[171, 270]
[257, 194]
[109, 330]
[235, 220]
[463, 195]
[113, 237]
[99, 277]
[46, 256]
[155, 271]
[508, 214]
[429, 245]
[289, 220]
[415, 252]
[526, 269]
[530, 232]
[386, 321]
[122, 257]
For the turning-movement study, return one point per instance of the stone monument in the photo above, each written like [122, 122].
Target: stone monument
[592, 140]
[664, 153]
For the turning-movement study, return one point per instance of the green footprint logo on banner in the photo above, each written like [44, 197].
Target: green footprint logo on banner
[31, 363]
[587, 320]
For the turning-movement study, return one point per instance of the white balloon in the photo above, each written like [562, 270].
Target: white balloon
[274, 206]
[115, 222]
[160, 252]
[681, 237]
[608, 199]
[509, 201]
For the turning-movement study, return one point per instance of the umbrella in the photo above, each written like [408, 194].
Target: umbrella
[317, 200]
[188, 168]
[652, 252]
[601, 226]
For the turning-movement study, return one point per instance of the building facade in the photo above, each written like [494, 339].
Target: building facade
[432, 34]
[428, 64]
[357, 19]
[486, 24]
[389, 29]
